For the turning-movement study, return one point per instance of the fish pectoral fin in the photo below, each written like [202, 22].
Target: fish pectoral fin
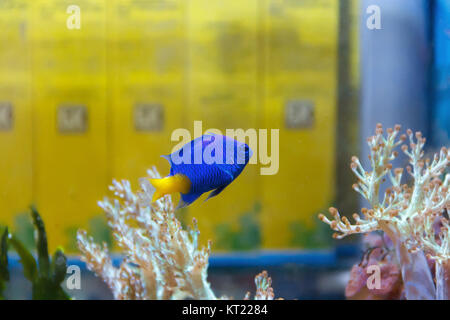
[215, 192]
[228, 174]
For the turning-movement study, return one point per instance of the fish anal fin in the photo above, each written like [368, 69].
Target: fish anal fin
[181, 204]
[187, 198]
[215, 192]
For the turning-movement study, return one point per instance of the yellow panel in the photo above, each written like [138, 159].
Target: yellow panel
[15, 112]
[231, 64]
[300, 69]
[354, 34]
[70, 155]
[224, 93]
[147, 60]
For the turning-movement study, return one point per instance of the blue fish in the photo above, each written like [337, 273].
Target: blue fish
[208, 163]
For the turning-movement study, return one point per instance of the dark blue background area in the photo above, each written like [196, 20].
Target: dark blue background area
[316, 274]
[441, 73]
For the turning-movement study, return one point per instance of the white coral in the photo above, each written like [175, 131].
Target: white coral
[407, 213]
[169, 264]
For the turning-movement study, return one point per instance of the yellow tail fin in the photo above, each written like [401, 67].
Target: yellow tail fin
[171, 184]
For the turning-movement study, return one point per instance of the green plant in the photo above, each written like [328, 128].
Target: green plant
[246, 237]
[99, 230]
[46, 274]
[317, 236]
[4, 272]
[24, 230]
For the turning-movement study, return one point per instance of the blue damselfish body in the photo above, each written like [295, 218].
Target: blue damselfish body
[208, 163]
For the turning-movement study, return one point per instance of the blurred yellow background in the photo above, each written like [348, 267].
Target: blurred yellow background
[100, 102]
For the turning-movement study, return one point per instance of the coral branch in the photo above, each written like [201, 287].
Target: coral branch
[124, 282]
[343, 226]
[264, 290]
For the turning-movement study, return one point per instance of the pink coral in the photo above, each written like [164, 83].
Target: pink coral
[359, 285]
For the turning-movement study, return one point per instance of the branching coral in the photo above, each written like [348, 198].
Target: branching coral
[407, 213]
[264, 290]
[162, 260]
[125, 282]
